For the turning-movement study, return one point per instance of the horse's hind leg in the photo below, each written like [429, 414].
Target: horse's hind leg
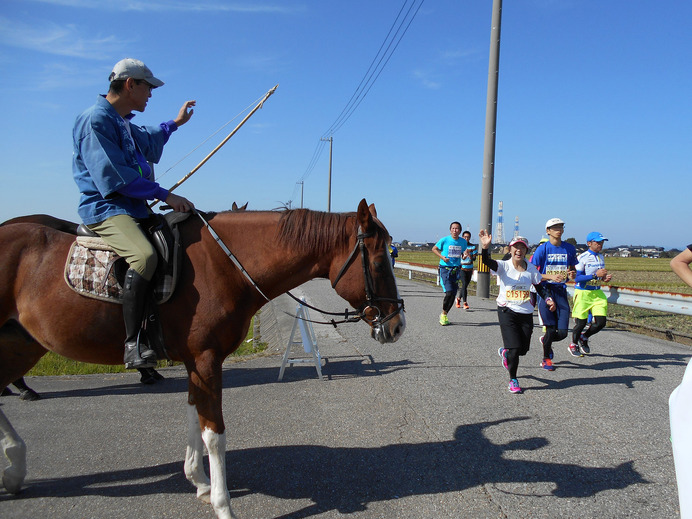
[25, 392]
[19, 352]
[14, 449]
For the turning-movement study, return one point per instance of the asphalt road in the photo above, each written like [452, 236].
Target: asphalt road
[424, 427]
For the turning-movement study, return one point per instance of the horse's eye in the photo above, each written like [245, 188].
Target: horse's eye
[379, 266]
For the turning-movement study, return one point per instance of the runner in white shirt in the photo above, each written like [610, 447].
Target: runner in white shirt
[514, 307]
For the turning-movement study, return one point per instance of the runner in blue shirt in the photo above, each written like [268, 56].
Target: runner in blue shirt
[555, 260]
[466, 271]
[450, 250]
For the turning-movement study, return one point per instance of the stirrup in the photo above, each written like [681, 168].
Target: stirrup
[139, 355]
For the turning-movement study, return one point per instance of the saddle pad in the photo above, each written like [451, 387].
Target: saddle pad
[90, 272]
[93, 242]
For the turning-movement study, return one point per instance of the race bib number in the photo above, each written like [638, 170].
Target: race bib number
[556, 269]
[454, 251]
[518, 294]
[560, 270]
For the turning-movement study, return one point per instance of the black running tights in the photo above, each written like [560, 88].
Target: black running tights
[512, 362]
[465, 279]
[552, 335]
[598, 323]
[448, 301]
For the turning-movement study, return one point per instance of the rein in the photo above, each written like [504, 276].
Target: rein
[230, 254]
[349, 316]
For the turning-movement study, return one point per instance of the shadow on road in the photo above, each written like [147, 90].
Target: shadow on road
[236, 375]
[348, 479]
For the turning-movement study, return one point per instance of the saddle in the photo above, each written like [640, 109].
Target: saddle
[94, 270]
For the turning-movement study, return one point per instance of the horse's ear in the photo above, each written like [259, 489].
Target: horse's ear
[364, 215]
[234, 207]
[373, 211]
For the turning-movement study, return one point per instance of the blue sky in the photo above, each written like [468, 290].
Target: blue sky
[594, 114]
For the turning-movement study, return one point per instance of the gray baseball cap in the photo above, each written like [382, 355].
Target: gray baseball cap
[135, 69]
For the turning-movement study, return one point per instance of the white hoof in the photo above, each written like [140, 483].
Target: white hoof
[14, 475]
[12, 479]
[204, 494]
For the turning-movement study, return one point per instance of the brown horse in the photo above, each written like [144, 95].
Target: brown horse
[206, 318]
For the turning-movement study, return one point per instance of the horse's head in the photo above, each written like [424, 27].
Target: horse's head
[366, 278]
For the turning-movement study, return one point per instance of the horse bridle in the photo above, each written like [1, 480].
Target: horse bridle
[351, 316]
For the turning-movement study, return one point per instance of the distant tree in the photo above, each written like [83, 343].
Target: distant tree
[572, 241]
[404, 243]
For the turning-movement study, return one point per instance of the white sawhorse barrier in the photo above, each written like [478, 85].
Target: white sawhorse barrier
[307, 339]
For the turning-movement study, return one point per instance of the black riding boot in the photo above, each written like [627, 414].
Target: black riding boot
[153, 327]
[138, 354]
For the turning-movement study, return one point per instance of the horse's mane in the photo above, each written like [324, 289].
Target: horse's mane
[317, 231]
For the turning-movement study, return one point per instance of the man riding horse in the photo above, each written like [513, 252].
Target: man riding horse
[111, 169]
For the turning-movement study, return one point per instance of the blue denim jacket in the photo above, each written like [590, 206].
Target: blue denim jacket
[105, 160]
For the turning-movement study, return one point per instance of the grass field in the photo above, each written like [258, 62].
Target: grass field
[642, 273]
[52, 364]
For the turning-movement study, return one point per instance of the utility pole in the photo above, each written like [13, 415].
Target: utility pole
[486, 221]
[301, 193]
[329, 190]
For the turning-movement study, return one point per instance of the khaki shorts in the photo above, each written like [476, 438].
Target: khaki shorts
[125, 236]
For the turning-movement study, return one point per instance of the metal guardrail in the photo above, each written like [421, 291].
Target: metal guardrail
[649, 299]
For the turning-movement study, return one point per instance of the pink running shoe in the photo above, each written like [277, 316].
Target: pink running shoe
[503, 354]
[514, 386]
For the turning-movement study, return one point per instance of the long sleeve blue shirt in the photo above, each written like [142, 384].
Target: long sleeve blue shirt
[110, 168]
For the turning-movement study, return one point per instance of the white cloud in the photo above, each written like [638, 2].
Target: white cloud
[61, 76]
[61, 40]
[454, 56]
[178, 5]
[424, 78]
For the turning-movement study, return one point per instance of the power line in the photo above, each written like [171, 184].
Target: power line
[373, 73]
[396, 32]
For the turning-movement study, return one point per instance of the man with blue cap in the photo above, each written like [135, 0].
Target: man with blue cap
[588, 296]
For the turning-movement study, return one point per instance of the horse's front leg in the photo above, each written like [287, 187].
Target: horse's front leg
[205, 395]
[194, 466]
[14, 449]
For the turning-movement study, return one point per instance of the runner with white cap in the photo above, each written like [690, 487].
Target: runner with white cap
[555, 260]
